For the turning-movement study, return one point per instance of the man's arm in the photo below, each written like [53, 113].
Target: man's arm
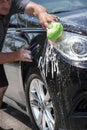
[21, 55]
[41, 13]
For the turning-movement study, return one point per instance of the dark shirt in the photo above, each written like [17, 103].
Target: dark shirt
[18, 6]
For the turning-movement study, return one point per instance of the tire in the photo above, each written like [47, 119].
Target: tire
[39, 102]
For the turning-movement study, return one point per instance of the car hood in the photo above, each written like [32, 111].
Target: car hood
[75, 21]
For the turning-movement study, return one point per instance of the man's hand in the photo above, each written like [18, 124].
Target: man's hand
[24, 54]
[46, 18]
[40, 12]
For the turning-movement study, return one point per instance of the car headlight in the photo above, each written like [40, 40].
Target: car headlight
[73, 46]
[70, 46]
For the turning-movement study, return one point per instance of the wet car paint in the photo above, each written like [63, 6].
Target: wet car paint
[67, 88]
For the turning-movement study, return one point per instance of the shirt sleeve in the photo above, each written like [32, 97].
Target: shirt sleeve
[18, 6]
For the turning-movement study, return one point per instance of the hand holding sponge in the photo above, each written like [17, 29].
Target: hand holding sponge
[55, 31]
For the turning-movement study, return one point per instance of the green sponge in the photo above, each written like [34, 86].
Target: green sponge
[55, 31]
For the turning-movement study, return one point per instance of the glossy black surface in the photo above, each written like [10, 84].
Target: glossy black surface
[68, 89]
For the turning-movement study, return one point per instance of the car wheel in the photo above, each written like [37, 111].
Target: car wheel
[39, 102]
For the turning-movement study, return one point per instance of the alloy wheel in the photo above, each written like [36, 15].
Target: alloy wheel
[41, 105]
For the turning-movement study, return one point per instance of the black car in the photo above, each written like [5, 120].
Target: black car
[51, 90]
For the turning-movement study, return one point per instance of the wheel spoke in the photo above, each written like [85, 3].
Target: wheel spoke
[49, 121]
[39, 120]
[37, 89]
[40, 90]
[43, 123]
[34, 103]
[35, 96]
[36, 112]
[49, 115]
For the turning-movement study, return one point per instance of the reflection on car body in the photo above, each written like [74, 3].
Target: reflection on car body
[52, 89]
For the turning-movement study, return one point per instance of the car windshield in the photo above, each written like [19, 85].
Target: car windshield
[54, 6]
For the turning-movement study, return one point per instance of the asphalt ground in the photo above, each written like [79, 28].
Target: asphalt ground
[12, 118]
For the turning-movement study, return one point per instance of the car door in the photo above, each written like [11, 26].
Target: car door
[13, 42]
[19, 34]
